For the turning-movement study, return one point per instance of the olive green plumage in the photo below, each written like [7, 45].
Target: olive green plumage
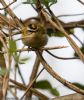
[35, 35]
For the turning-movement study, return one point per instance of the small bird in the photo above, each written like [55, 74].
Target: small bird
[36, 36]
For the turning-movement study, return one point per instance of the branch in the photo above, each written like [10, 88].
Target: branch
[10, 12]
[62, 58]
[70, 15]
[32, 49]
[73, 24]
[33, 75]
[81, 2]
[4, 20]
[74, 96]
[57, 77]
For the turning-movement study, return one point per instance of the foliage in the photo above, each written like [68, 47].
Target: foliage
[44, 2]
[23, 60]
[2, 71]
[12, 47]
[44, 84]
[12, 52]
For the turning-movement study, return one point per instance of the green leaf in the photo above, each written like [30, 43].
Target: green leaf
[44, 2]
[16, 57]
[20, 60]
[56, 34]
[70, 31]
[29, 2]
[54, 92]
[2, 71]
[50, 33]
[12, 47]
[52, 2]
[79, 85]
[23, 60]
[44, 84]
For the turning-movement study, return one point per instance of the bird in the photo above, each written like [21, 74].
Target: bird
[36, 36]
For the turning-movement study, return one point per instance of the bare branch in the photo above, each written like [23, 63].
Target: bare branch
[10, 12]
[74, 96]
[32, 49]
[70, 15]
[33, 75]
[81, 2]
[56, 76]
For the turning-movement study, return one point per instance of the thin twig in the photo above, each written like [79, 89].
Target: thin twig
[32, 49]
[54, 47]
[68, 15]
[34, 7]
[33, 74]
[19, 71]
[30, 84]
[7, 21]
[62, 58]
[10, 12]
[3, 42]
[15, 97]
[78, 40]
[17, 67]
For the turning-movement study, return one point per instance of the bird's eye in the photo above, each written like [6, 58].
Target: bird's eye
[32, 26]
